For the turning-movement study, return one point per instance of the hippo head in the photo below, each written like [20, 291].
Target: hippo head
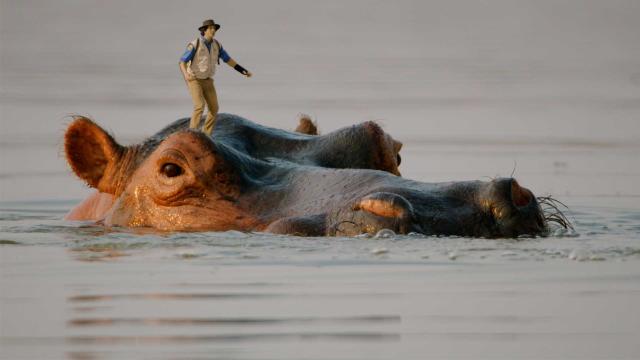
[182, 183]
[187, 181]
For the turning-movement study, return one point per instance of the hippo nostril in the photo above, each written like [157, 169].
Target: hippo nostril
[519, 195]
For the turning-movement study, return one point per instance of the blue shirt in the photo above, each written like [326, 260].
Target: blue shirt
[191, 51]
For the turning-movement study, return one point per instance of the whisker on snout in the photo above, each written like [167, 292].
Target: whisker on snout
[552, 213]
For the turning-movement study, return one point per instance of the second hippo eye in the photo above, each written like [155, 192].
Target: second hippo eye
[399, 159]
[171, 170]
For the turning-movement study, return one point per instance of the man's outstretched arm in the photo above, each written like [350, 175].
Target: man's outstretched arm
[227, 59]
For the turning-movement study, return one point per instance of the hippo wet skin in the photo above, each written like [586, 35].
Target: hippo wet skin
[249, 177]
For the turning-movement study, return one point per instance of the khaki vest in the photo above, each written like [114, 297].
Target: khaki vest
[203, 64]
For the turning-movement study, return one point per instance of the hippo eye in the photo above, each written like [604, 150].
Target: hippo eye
[399, 159]
[171, 170]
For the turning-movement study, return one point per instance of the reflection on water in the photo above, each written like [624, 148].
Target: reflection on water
[92, 298]
[168, 340]
[231, 321]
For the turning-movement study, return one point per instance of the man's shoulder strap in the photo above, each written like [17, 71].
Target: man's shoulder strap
[195, 47]
[219, 47]
[194, 44]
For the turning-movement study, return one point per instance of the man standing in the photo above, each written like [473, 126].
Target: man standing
[198, 65]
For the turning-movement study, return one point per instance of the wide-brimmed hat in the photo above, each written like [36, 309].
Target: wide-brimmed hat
[207, 23]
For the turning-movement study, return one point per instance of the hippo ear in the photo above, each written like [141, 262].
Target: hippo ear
[306, 125]
[397, 145]
[92, 153]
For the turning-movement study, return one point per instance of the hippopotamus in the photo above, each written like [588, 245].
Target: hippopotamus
[249, 177]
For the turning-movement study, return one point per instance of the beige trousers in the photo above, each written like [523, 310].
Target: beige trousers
[203, 91]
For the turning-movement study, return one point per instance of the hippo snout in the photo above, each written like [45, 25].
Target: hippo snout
[513, 208]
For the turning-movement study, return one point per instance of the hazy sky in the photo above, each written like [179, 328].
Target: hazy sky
[498, 63]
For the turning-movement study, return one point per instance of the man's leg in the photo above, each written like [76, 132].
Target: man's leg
[198, 102]
[211, 98]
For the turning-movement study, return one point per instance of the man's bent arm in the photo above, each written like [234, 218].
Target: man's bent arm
[184, 59]
[183, 69]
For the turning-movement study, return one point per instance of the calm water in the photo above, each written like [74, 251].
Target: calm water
[546, 90]
[75, 291]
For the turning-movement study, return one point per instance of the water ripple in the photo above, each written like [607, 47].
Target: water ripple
[231, 321]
